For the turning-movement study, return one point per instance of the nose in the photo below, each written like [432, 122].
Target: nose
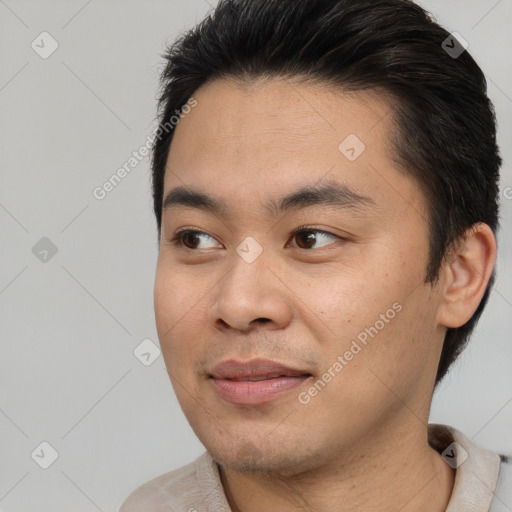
[251, 295]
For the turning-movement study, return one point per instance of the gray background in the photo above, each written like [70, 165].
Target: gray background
[70, 324]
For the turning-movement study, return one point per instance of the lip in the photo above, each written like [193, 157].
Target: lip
[255, 382]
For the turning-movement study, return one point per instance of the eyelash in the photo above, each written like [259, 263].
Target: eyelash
[178, 236]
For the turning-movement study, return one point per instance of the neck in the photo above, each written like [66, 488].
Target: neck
[383, 471]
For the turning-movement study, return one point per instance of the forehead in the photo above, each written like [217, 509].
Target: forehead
[281, 114]
[248, 140]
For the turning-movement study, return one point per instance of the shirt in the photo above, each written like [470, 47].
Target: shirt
[483, 481]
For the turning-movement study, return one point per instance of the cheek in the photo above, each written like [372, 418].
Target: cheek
[397, 356]
[178, 306]
[367, 314]
[177, 293]
[348, 301]
[166, 303]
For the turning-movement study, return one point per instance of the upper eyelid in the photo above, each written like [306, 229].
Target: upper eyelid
[312, 228]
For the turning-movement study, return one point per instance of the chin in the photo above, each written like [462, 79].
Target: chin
[264, 456]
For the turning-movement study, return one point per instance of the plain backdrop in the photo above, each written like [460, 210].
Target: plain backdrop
[76, 273]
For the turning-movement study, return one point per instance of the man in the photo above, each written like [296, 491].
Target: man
[327, 214]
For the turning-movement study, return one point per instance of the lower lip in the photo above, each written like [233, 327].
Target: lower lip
[255, 392]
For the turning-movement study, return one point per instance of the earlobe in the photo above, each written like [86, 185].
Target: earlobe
[466, 273]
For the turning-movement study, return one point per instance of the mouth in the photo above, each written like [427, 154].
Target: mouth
[255, 382]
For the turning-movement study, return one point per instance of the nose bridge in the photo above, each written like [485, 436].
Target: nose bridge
[248, 271]
[250, 291]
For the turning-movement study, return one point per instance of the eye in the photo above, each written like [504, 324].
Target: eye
[308, 237]
[189, 239]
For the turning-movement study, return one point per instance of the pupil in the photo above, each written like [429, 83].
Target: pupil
[306, 236]
[187, 240]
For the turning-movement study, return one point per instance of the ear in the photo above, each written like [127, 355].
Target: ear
[465, 275]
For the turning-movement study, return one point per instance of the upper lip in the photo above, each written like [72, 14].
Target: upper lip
[254, 368]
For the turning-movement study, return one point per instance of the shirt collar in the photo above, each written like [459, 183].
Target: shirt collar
[476, 472]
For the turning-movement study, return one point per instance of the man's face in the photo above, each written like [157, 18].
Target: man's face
[341, 308]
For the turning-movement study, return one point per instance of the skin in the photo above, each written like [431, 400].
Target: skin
[361, 442]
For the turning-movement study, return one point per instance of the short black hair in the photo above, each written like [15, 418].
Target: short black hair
[445, 125]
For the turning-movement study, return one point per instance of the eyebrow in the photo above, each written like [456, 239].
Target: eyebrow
[332, 194]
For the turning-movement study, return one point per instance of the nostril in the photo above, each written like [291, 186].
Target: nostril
[263, 320]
